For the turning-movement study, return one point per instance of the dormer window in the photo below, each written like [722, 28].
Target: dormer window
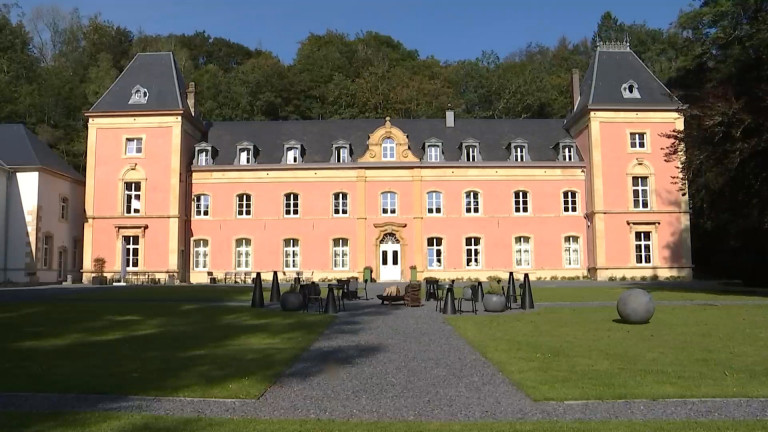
[342, 153]
[139, 95]
[246, 154]
[204, 154]
[470, 151]
[518, 150]
[292, 152]
[388, 149]
[567, 150]
[433, 150]
[630, 90]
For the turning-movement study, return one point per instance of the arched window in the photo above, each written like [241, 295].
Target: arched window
[243, 205]
[243, 254]
[388, 149]
[340, 254]
[200, 254]
[472, 202]
[571, 251]
[291, 205]
[522, 252]
[434, 203]
[291, 254]
[434, 253]
[202, 203]
[388, 204]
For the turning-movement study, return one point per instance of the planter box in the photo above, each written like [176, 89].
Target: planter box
[98, 280]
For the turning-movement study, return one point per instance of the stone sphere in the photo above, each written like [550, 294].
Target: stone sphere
[635, 306]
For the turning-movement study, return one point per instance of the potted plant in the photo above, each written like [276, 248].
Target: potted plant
[414, 274]
[493, 301]
[98, 269]
[292, 300]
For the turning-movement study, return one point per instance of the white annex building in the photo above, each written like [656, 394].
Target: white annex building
[41, 212]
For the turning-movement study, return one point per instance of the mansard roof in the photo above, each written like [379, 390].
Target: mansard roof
[613, 66]
[20, 148]
[156, 76]
[318, 136]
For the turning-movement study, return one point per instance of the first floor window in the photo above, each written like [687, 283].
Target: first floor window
[64, 208]
[340, 204]
[640, 193]
[571, 251]
[134, 146]
[637, 140]
[472, 252]
[131, 252]
[523, 252]
[340, 254]
[388, 149]
[643, 245]
[243, 254]
[47, 251]
[200, 254]
[291, 205]
[521, 202]
[132, 198]
[388, 204]
[472, 202]
[202, 205]
[434, 253]
[570, 202]
[434, 203]
[290, 254]
[243, 205]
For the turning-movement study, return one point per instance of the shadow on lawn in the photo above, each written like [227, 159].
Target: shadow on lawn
[164, 349]
[703, 287]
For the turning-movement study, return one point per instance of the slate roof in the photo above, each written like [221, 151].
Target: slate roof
[158, 73]
[613, 65]
[20, 148]
[317, 137]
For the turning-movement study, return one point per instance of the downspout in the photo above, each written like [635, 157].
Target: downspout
[5, 228]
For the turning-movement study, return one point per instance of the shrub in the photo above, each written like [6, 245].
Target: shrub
[654, 277]
[99, 263]
[553, 277]
[623, 278]
[633, 278]
[643, 278]
[612, 278]
[564, 278]
[585, 277]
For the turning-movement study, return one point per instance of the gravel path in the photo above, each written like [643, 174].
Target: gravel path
[395, 363]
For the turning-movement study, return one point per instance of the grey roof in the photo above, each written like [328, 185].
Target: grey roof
[317, 137]
[613, 65]
[20, 148]
[158, 73]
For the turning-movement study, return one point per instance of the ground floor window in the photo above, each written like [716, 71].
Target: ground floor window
[200, 254]
[291, 254]
[434, 253]
[571, 251]
[523, 252]
[340, 254]
[131, 252]
[47, 251]
[243, 254]
[643, 245]
[472, 252]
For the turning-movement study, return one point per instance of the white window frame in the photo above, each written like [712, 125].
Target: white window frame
[388, 200]
[523, 255]
[570, 202]
[521, 202]
[341, 154]
[203, 156]
[132, 198]
[292, 155]
[388, 149]
[640, 202]
[518, 153]
[568, 153]
[433, 153]
[243, 254]
[572, 251]
[244, 156]
[202, 205]
[132, 251]
[340, 254]
[473, 252]
[47, 251]
[643, 248]
[243, 205]
[472, 205]
[471, 152]
[64, 208]
[434, 203]
[435, 258]
[134, 146]
[638, 141]
[291, 254]
[340, 204]
[291, 205]
[200, 254]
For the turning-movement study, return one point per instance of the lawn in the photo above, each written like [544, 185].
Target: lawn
[612, 293]
[158, 349]
[582, 354]
[192, 293]
[93, 422]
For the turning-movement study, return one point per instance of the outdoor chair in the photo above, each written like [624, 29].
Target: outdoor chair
[430, 286]
[344, 288]
[313, 295]
[440, 289]
[470, 294]
[352, 289]
[247, 277]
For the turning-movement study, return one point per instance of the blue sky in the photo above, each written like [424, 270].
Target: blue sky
[447, 29]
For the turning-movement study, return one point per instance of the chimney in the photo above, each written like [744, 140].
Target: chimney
[575, 86]
[191, 97]
[449, 117]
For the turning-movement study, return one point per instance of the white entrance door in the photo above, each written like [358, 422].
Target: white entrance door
[389, 258]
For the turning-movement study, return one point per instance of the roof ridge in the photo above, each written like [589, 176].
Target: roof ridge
[128, 66]
[175, 72]
[594, 76]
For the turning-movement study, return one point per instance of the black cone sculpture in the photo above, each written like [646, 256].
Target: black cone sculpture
[481, 291]
[449, 306]
[257, 299]
[274, 296]
[511, 291]
[330, 302]
[526, 301]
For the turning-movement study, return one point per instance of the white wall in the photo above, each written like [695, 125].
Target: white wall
[21, 224]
